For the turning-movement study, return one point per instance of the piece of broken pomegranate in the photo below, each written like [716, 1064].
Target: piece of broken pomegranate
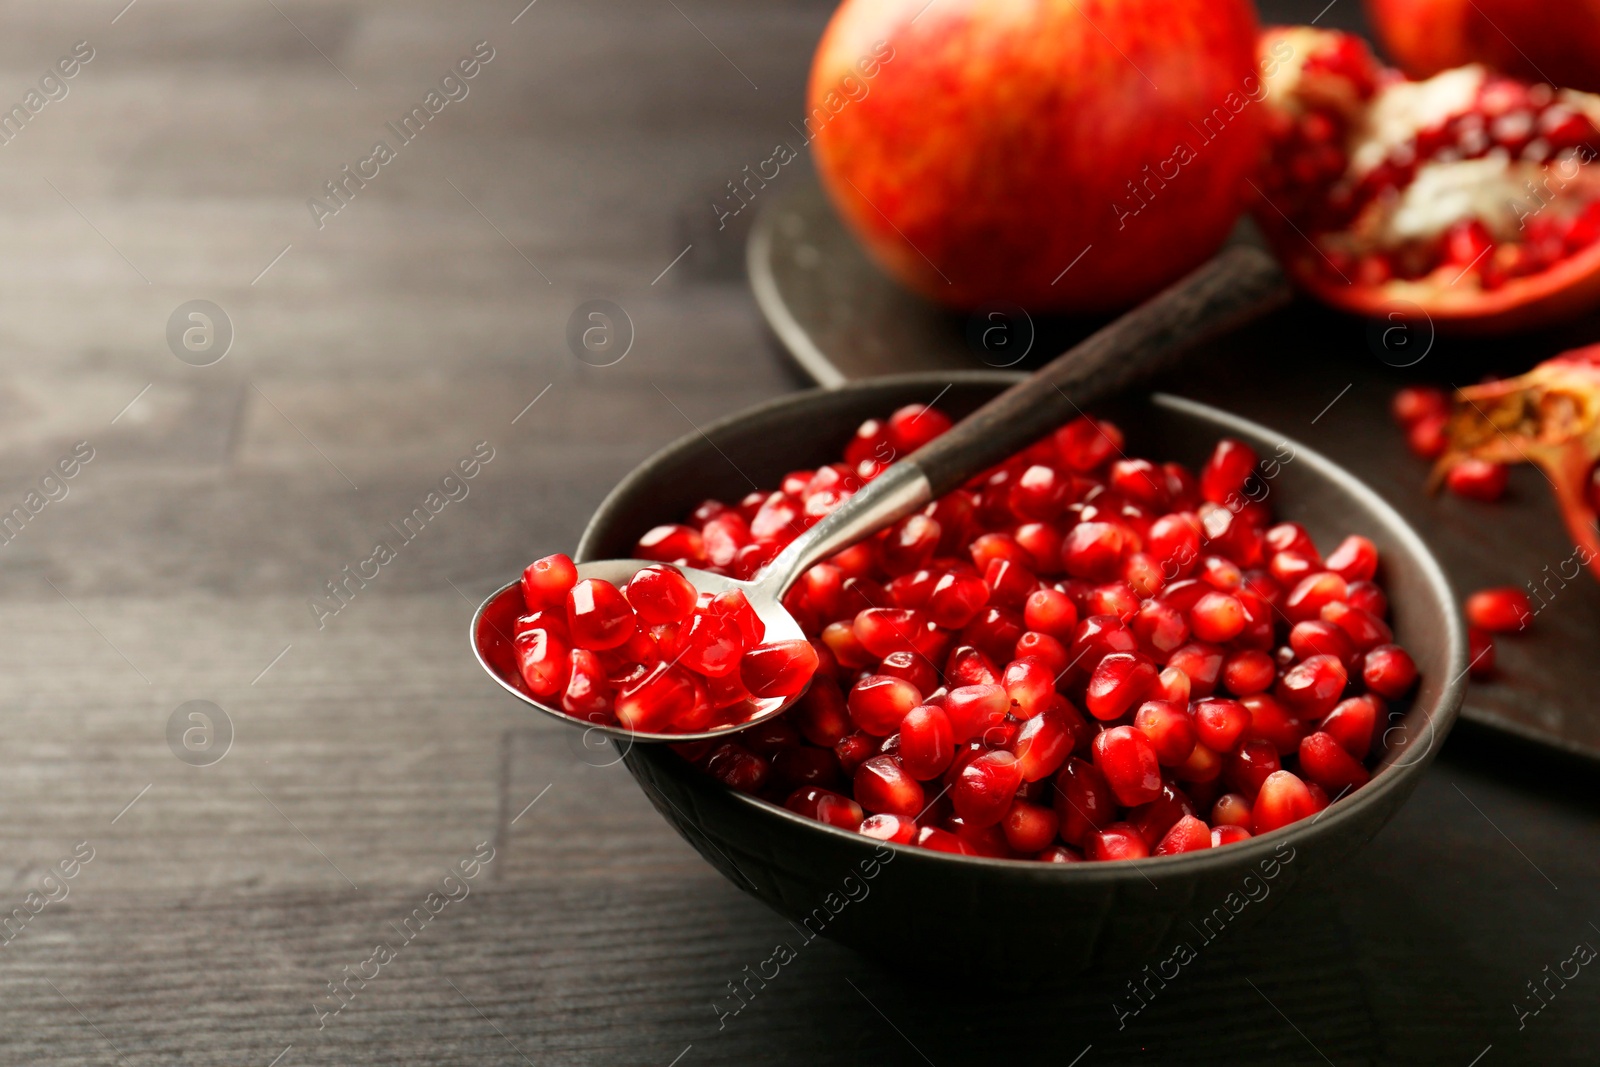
[1468, 198]
[1549, 416]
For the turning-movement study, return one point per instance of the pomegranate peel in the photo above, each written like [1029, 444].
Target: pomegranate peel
[1550, 417]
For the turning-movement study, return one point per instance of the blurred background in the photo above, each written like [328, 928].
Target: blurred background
[267, 788]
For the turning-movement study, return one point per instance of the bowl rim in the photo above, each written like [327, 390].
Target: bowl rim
[1395, 771]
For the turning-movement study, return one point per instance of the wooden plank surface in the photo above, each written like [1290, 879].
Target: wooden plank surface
[370, 754]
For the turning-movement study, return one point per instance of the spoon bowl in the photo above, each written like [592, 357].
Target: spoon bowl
[492, 629]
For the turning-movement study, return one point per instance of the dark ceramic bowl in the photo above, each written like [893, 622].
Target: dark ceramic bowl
[911, 906]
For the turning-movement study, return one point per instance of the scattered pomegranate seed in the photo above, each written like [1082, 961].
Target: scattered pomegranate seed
[1477, 479]
[1503, 609]
[1416, 402]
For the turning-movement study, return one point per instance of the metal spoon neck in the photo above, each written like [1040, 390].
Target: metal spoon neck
[899, 491]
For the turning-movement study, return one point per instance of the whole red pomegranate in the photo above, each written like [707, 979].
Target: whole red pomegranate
[1537, 40]
[1065, 155]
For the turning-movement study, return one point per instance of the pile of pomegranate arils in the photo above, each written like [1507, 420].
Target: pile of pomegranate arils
[1077, 656]
[655, 656]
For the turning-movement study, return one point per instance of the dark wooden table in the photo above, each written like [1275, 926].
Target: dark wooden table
[246, 861]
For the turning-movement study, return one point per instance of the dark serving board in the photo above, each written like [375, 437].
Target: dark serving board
[1322, 378]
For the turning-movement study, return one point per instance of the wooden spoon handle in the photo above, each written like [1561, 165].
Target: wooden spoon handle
[1228, 291]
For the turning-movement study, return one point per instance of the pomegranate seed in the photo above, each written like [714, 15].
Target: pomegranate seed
[994, 632]
[847, 649]
[1050, 611]
[1228, 835]
[1169, 728]
[1291, 537]
[982, 794]
[1352, 723]
[1217, 618]
[1188, 834]
[542, 660]
[974, 710]
[912, 667]
[1030, 685]
[598, 615]
[1416, 402]
[926, 743]
[1244, 771]
[779, 669]
[896, 829]
[1009, 584]
[1364, 629]
[1220, 723]
[1154, 819]
[1223, 477]
[956, 600]
[1315, 637]
[661, 594]
[1355, 560]
[1389, 671]
[1094, 550]
[1231, 809]
[1288, 568]
[931, 837]
[1283, 799]
[1045, 649]
[737, 767]
[1203, 766]
[1085, 444]
[968, 666]
[1480, 653]
[883, 787]
[1502, 609]
[824, 805]
[1477, 479]
[672, 544]
[546, 581]
[588, 693]
[1171, 685]
[658, 698]
[1116, 842]
[1313, 686]
[854, 750]
[909, 544]
[1270, 721]
[1029, 827]
[708, 644]
[1175, 542]
[1369, 598]
[821, 717]
[1044, 742]
[915, 425]
[1426, 437]
[1117, 683]
[1161, 626]
[1324, 761]
[1083, 801]
[878, 703]
[1203, 665]
[1127, 760]
[1249, 671]
[1306, 600]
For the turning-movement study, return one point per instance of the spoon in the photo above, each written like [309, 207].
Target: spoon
[1238, 285]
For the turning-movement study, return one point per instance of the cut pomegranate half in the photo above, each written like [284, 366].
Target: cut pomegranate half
[1549, 416]
[1466, 199]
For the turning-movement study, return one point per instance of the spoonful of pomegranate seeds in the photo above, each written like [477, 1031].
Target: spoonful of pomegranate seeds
[658, 652]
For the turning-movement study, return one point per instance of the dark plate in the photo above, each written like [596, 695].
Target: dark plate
[1321, 378]
[928, 906]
